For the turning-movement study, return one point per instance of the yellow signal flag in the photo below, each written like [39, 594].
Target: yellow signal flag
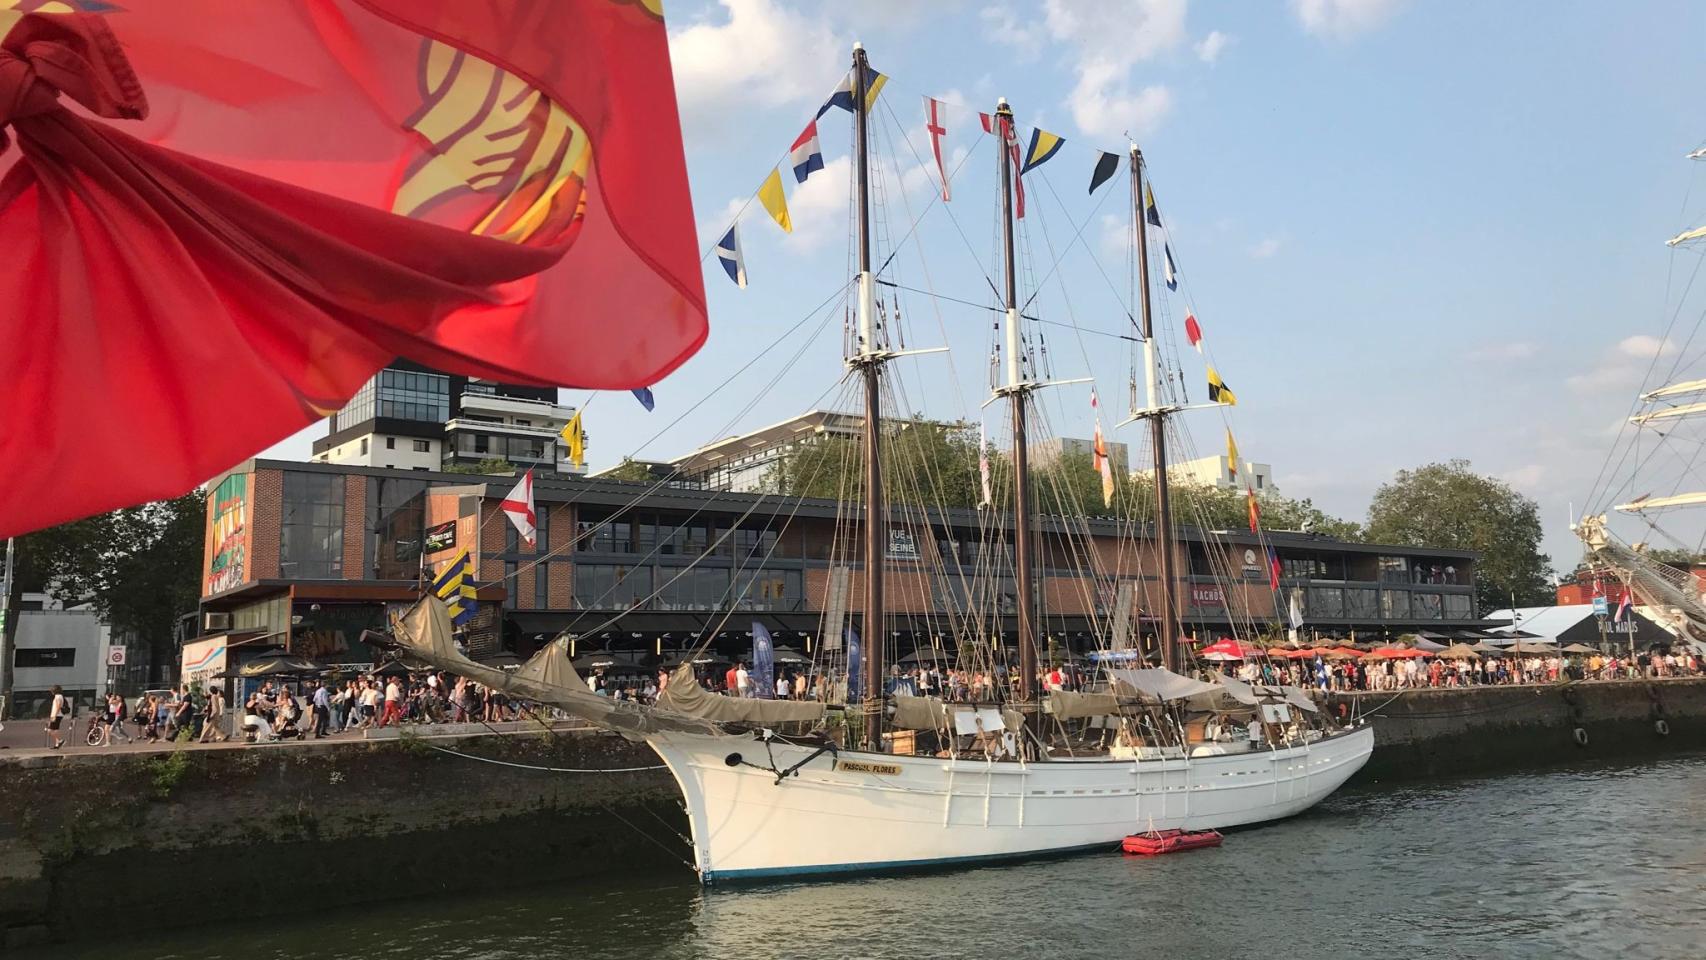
[1218, 391]
[1231, 455]
[575, 438]
[770, 194]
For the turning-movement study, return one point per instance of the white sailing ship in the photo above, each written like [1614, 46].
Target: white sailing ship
[885, 780]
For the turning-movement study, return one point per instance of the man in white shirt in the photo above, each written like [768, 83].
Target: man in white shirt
[743, 682]
[782, 688]
[57, 710]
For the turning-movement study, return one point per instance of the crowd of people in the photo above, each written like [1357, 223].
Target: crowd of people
[298, 709]
[1419, 672]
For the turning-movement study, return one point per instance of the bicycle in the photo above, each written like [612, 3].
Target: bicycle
[93, 735]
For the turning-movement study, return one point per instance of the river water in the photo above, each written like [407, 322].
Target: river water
[1606, 861]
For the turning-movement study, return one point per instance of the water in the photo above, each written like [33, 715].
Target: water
[1597, 862]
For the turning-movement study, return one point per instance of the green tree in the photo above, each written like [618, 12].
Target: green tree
[139, 568]
[1676, 556]
[488, 465]
[1448, 505]
[630, 471]
[925, 463]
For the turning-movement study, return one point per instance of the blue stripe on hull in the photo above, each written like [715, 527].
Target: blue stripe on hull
[893, 866]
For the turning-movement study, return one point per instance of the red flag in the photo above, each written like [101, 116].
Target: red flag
[300, 192]
[1273, 569]
[1013, 159]
[1193, 332]
[933, 125]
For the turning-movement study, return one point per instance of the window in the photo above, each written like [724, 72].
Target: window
[407, 395]
[1458, 606]
[606, 536]
[1260, 481]
[1394, 570]
[364, 445]
[396, 512]
[1395, 604]
[45, 657]
[479, 443]
[769, 589]
[391, 443]
[1361, 603]
[311, 526]
[542, 576]
[542, 529]
[1303, 568]
[1426, 606]
[510, 599]
[608, 586]
[698, 588]
[423, 446]
[1326, 602]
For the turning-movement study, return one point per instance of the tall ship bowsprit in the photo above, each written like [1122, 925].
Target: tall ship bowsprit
[875, 774]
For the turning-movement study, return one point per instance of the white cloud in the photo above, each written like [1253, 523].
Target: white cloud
[1526, 477]
[1509, 350]
[1342, 19]
[916, 180]
[1108, 39]
[1116, 236]
[1105, 108]
[1265, 249]
[1642, 346]
[1210, 48]
[759, 53]
[1620, 377]
[818, 207]
[1002, 25]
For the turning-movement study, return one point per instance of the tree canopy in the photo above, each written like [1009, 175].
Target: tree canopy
[139, 568]
[1449, 505]
[936, 464]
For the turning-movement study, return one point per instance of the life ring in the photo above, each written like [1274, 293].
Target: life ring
[1580, 734]
[1661, 727]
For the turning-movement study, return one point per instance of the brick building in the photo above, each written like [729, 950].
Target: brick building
[306, 556]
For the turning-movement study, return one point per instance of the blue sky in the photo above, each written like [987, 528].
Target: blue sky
[1411, 231]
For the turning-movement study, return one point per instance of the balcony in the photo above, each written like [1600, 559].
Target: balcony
[490, 405]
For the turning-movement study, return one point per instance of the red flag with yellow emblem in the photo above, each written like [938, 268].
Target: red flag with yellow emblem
[222, 218]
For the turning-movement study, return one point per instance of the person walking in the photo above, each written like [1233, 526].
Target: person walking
[57, 710]
[393, 704]
[113, 721]
[322, 709]
[212, 711]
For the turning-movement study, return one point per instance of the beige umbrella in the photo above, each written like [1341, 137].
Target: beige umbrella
[1458, 651]
[1580, 648]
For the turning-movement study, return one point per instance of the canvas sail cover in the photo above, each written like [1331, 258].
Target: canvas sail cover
[919, 713]
[551, 666]
[424, 633]
[685, 696]
[1156, 683]
[1068, 705]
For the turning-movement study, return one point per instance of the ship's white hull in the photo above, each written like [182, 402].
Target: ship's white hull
[871, 812]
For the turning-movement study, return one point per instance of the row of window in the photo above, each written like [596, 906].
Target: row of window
[600, 586]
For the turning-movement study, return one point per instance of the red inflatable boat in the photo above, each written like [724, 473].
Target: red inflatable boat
[1169, 841]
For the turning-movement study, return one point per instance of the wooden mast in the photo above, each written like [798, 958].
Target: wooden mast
[1156, 414]
[1018, 395]
[869, 360]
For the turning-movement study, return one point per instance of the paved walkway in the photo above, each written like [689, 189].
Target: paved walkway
[24, 737]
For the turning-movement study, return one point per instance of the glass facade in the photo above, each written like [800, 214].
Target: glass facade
[770, 589]
[397, 513]
[1326, 602]
[610, 586]
[311, 526]
[1361, 603]
[401, 394]
[699, 588]
[1459, 606]
[1394, 570]
[1427, 606]
[1395, 604]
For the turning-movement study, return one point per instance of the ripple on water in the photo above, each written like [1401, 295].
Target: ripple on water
[1592, 862]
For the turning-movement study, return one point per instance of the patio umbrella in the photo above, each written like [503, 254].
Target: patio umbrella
[1458, 651]
[1426, 643]
[1226, 648]
[1523, 646]
[1485, 647]
[610, 661]
[788, 656]
[1342, 653]
[699, 659]
[277, 663]
[1580, 648]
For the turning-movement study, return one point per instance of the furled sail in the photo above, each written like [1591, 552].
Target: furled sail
[424, 633]
[684, 695]
[1071, 705]
[1686, 236]
[1157, 683]
[551, 666]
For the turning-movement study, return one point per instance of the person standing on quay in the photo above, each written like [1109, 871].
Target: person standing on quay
[57, 710]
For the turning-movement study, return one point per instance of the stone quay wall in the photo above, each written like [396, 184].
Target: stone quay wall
[169, 839]
[1424, 734]
[102, 845]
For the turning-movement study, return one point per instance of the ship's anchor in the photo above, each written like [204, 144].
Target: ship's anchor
[736, 760]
